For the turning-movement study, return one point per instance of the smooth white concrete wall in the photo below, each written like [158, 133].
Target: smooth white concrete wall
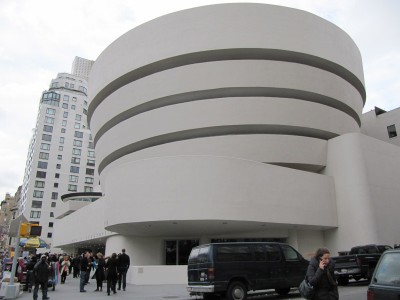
[204, 188]
[376, 125]
[256, 74]
[211, 27]
[84, 225]
[366, 174]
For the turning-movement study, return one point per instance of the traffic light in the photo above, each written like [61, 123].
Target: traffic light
[24, 230]
[29, 230]
[35, 230]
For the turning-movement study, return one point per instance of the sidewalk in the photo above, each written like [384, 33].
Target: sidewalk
[70, 291]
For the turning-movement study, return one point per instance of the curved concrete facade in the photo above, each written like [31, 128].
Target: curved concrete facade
[214, 122]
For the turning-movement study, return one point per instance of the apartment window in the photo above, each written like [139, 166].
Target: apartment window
[72, 187]
[85, 111]
[51, 224]
[67, 86]
[64, 123]
[91, 162]
[47, 128]
[46, 137]
[74, 169]
[72, 86]
[39, 184]
[54, 84]
[78, 134]
[38, 194]
[88, 189]
[85, 102]
[50, 111]
[51, 215]
[91, 154]
[35, 214]
[36, 204]
[54, 195]
[73, 107]
[66, 97]
[77, 125]
[43, 155]
[53, 204]
[55, 184]
[89, 171]
[45, 146]
[60, 148]
[65, 105]
[65, 115]
[49, 234]
[73, 178]
[77, 143]
[40, 174]
[392, 131]
[57, 175]
[42, 164]
[48, 120]
[91, 145]
[75, 160]
[74, 99]
[59, 157]
[63, 130]
[78, 117]
[89, 180]
[58, 166]
[76, 151]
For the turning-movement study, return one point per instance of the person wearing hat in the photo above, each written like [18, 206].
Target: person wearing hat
[41, 273]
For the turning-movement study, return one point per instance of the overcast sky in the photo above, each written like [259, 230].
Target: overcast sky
[40, 38]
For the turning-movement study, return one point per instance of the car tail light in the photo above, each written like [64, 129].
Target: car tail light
[211, 274]
[370, 295]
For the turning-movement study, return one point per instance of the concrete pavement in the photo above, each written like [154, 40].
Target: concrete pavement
[70, 291]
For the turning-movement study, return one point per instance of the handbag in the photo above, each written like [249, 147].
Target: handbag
[306, 289]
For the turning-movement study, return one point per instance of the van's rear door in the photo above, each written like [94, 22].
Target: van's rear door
[198, 265]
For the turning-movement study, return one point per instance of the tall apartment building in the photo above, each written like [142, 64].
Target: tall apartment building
[61, 157]
[81, 67]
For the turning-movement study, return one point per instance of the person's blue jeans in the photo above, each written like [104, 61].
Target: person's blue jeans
[82, 280]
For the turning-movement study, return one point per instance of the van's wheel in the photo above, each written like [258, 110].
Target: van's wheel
[236, 291]
[283, 292]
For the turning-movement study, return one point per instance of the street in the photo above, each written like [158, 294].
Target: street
[354, 291]
[70, 290]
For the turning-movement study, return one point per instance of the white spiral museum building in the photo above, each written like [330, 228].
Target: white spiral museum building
[231, 122]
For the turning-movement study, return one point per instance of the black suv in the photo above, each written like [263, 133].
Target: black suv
[233, 269]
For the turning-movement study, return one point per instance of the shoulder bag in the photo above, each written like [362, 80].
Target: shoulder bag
[306, 289]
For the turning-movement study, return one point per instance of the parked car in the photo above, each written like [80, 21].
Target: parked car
[233, 269]
[385, 283]
[359, 263]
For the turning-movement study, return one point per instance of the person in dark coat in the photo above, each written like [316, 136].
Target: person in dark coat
[320, 274]
[41, 274]
[112, 273]
[76, 265]
[123, 266]
[100, 271]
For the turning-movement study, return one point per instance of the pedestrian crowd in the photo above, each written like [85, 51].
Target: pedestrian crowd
[112, 269]
[44, 271]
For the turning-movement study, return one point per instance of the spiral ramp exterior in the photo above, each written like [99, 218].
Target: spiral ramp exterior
[215, 122]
